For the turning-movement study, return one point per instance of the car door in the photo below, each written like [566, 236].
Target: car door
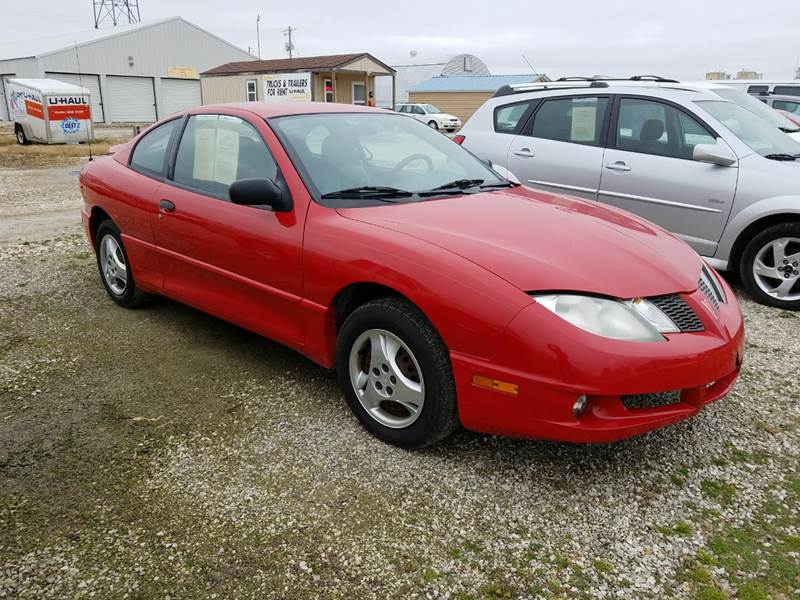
[418, 113]
[648, 170]
[241, 263]
[560, 149]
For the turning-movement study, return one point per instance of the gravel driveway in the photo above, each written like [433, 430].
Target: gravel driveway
[161, 453]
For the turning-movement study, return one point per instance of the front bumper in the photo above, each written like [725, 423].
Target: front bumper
[555, 363]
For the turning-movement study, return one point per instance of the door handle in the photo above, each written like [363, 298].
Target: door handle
[166, 205]
[524, 153]
[618, 166]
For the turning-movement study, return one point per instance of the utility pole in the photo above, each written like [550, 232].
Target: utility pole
[289, 44]
[258, 34]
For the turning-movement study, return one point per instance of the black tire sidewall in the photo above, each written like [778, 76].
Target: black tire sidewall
[20, 135]
[131, 296]
[748, 258]
[433, 125]
[439, 414]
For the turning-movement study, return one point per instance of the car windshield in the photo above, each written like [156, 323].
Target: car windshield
[431, 109]
[755, 106]
[754, 131]
[350, 155]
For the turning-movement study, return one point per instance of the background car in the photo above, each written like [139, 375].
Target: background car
[441, 292]
[790, 104]
[716, 174]
[430, 115]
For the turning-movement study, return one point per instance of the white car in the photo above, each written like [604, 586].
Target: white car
[430, 115]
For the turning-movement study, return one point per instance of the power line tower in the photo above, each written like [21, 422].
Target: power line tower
[289, 43]
[119, 11]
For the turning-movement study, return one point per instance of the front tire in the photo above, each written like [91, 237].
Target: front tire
[433, 125]
[770, 266]
[114, 267]
[395, 373]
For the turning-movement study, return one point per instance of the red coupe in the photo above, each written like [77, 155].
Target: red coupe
[441, 292]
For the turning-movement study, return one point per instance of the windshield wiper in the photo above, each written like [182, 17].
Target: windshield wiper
[460, 184]
[376, 192]
[788, 130]
[508, 184]
[781, 156]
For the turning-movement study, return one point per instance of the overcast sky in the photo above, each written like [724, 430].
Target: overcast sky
[678, 38]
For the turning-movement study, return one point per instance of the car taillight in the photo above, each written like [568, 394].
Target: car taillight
[459, 139]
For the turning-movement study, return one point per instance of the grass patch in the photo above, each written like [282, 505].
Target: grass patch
[15, 156]
[722, 492]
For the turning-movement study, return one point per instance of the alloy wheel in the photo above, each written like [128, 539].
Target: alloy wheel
[776, 269]
[386, 378]
[112, 262]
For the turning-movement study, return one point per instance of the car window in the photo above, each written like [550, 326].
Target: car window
[655, 128]
[216, 150]
[339, 151]
[507, 118]
[403, 108]
[575, 120]
[757, 89]
[786, 90]
[151, 151]
[417, 110]
[787, 105]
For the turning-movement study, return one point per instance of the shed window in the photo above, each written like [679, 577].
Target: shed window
[251, 90]
[327, 84]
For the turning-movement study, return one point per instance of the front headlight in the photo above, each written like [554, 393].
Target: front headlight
[636, 320]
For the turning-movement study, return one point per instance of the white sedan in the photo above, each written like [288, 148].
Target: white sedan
[430, 115]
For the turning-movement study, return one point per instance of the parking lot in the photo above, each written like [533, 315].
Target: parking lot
[161, 452]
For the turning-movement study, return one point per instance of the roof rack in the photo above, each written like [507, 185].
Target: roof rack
[657, 78]
[519, 88]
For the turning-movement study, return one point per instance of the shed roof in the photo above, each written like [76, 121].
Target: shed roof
[302, 63]
[67, 41]
[470, 83]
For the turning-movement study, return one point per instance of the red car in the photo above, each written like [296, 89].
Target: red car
[441, 292]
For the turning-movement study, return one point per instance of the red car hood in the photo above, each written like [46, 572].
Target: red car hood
[540, 241]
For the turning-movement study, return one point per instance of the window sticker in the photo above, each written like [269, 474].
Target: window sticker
[584, 119]
[216, 155]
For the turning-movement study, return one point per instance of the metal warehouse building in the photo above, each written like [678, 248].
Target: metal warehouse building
[136, 73]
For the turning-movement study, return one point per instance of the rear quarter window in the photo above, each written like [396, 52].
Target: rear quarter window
[510, 117]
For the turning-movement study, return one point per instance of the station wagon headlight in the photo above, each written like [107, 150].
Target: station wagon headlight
[636, 320]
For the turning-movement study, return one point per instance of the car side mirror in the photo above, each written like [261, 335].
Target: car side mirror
[716, 154]
[260, 191]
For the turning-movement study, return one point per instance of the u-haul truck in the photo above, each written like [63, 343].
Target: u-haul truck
[49, 111]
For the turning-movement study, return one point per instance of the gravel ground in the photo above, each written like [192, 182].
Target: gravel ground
[159, 453]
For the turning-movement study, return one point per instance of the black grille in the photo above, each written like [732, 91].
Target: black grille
[679, 312]
[651, 400]
[709, 293]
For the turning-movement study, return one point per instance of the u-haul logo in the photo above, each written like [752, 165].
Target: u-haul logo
[66, 100]
[18, 99]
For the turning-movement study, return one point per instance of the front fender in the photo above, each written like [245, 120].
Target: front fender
[739, 222]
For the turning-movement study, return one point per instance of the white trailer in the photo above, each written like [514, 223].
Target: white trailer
[49, 111]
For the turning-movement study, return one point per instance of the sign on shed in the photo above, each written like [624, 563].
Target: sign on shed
[292, 87]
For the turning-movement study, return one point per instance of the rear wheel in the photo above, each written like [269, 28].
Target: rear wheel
[770, 266]
[395, 373]
[115, 272]
[19, 132]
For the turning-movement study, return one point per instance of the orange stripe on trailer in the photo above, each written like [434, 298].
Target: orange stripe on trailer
[34, 109]
[78, 111]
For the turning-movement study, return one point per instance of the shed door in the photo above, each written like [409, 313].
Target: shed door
[4, 97]
[92, 83]
[179, 94]
[131, 99]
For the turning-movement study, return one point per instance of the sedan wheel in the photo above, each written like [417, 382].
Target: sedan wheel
[113, 263]
[114, 267]
[770, 266]
[433, 125]
[395, 373]
[386, 378]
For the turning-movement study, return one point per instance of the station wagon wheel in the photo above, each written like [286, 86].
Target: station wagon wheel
[770, 266]
[114, 266]
[395, 373]
[433, 125]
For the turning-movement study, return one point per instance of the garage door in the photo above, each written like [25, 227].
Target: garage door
[130, 99]
[92, 83]
[179, 94]
[3, 97]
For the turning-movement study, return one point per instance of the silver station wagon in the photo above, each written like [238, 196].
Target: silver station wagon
[712, 172]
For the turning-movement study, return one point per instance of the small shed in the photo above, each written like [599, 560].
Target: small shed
[344, 78]
[462, 95]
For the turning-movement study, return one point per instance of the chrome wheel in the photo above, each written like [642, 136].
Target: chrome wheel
[112, 261]
[20, 136]
[386, 378]
[776, 269]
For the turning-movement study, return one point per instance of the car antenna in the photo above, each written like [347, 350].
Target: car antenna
[80, 82]
[538, 77]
